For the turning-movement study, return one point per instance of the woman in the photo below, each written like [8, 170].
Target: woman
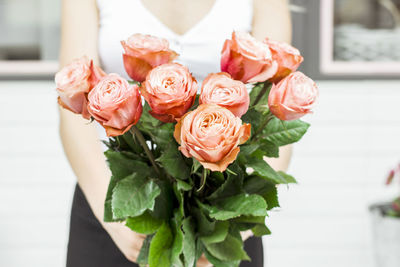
[196, 29]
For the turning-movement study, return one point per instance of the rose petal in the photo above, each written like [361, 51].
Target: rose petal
[224, 163]
[136, 68]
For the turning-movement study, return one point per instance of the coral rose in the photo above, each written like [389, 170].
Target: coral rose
[287, 57]
[247, 59]
[115, 104]
[74, 82]
[211, 134]
[170, 90]
[144, 52]
[221, 89]
[293, 97]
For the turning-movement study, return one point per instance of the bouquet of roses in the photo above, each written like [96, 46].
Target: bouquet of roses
[189, 170]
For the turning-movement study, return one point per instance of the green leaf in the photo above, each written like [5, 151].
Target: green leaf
[204, 225]
[160, 133]
[269, 149]
[244, 223]
[177, 246]
[172, 161]
[144, 224]
[232, 186]
[288, 177]
[133, 195]
[218, 263]
[164, 202]
[231, 249]
[130, 140]
[163, 135]
[258, 150]
[160, 247]
[217, 177]
[248, 149]
[262, 107]
[260, 230]
[181, 185]
[255, 91]
[219, 234]
[253, 117]
[285, 132]
[261, 168]
[231, 207]
[147, 122]
[264, 188]
[121, 165]
[143, 258]
[179, 213]
[250, 219]
[189, 243]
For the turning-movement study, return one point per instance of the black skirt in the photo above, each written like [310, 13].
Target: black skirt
[90, 245]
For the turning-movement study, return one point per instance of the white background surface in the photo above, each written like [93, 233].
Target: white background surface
[340, 166]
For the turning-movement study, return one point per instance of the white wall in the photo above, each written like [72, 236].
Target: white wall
[340, 166]
[35, 181]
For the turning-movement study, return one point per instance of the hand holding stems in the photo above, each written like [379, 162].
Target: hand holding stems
[127, 241]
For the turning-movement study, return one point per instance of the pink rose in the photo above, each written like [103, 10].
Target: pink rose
[247, 59]
[221, 89]
[115, 104]
[287, 57]
[211, 134]
[144, 52]
[74, 82]
[293, 97]
[170, 90]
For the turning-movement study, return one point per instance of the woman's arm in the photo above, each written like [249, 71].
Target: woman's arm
[79, 137]
[272, 19]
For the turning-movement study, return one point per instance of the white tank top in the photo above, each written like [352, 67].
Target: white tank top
[199, 48]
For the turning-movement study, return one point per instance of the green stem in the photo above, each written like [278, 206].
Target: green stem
[203, 180]
[262, 93]
[136, 132]
[268, 118]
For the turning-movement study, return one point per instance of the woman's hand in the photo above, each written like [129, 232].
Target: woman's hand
[128, 242]
[203, 262]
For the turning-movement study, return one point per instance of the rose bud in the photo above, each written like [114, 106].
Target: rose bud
[247, 59]
[293, 97]
[115, 104]
[221, 89]
[170, 90]
[144, 52]
[287, 57]
[211, 134]
[74, 82]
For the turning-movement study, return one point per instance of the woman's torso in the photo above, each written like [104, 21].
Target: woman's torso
[199, 47]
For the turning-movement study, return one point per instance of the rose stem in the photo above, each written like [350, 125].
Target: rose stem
[262, 93]
[203, 180]
[268, 118]
[135, 131]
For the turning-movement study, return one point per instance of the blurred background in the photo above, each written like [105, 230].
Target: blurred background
[352, 50]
